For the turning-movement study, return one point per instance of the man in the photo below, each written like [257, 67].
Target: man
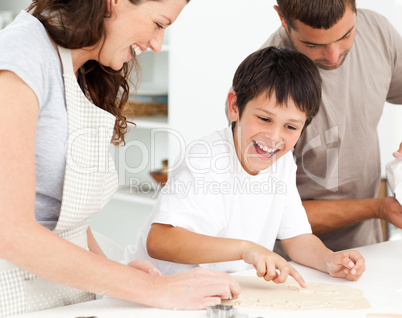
[359, 55]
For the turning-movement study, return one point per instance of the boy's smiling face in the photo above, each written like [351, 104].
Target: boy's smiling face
[265, 132]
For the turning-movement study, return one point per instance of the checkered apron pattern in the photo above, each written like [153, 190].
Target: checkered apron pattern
[90, 181]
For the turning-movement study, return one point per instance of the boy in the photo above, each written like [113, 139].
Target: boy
[241, 191]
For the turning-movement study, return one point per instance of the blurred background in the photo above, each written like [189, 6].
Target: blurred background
[188, 80]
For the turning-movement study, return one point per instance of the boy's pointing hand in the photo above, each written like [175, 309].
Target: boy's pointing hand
[270, 265]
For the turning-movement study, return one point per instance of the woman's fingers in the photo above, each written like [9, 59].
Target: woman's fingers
[199, 288]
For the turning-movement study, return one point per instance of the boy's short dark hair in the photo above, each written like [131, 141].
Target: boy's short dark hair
[319, 14]
[282, 71]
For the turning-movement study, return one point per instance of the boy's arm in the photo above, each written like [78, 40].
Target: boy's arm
[176, 244]
[308, 250]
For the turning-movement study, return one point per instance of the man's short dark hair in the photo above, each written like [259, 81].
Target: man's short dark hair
[319, 14]
[281, 71]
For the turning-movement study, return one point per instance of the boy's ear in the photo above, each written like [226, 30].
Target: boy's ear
[233, 110]
[281, 17]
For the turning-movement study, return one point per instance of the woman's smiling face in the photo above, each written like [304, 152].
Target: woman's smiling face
[265, 132]
[141, 26]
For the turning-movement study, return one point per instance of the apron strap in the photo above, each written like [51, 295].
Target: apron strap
[66, 60]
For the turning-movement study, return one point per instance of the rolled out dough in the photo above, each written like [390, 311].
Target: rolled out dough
[258, 293]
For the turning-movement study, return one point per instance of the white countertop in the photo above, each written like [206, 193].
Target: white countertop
[381, 283]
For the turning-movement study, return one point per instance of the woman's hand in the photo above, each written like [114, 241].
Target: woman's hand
[267, 263]
[194, 289]
[145, 266]
[348, 264]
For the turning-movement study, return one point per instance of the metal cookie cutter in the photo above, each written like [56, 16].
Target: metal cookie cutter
[222, 311]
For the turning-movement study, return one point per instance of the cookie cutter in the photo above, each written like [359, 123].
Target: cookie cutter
[223, 311]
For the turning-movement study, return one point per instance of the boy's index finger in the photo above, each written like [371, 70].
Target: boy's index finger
[297, 277]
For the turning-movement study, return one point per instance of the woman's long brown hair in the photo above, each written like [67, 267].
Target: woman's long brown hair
[75, 24]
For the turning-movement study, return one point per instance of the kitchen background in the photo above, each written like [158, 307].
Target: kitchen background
[192, 75]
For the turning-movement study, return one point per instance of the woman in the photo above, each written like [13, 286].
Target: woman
[55, 167]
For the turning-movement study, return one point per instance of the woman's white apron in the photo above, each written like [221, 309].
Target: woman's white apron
[90, 181]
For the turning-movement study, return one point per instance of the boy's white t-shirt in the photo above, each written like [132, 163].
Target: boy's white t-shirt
[211, 194]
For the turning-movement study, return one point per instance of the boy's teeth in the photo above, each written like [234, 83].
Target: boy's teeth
[265, 148]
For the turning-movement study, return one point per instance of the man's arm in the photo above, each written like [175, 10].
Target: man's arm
[327, 216]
